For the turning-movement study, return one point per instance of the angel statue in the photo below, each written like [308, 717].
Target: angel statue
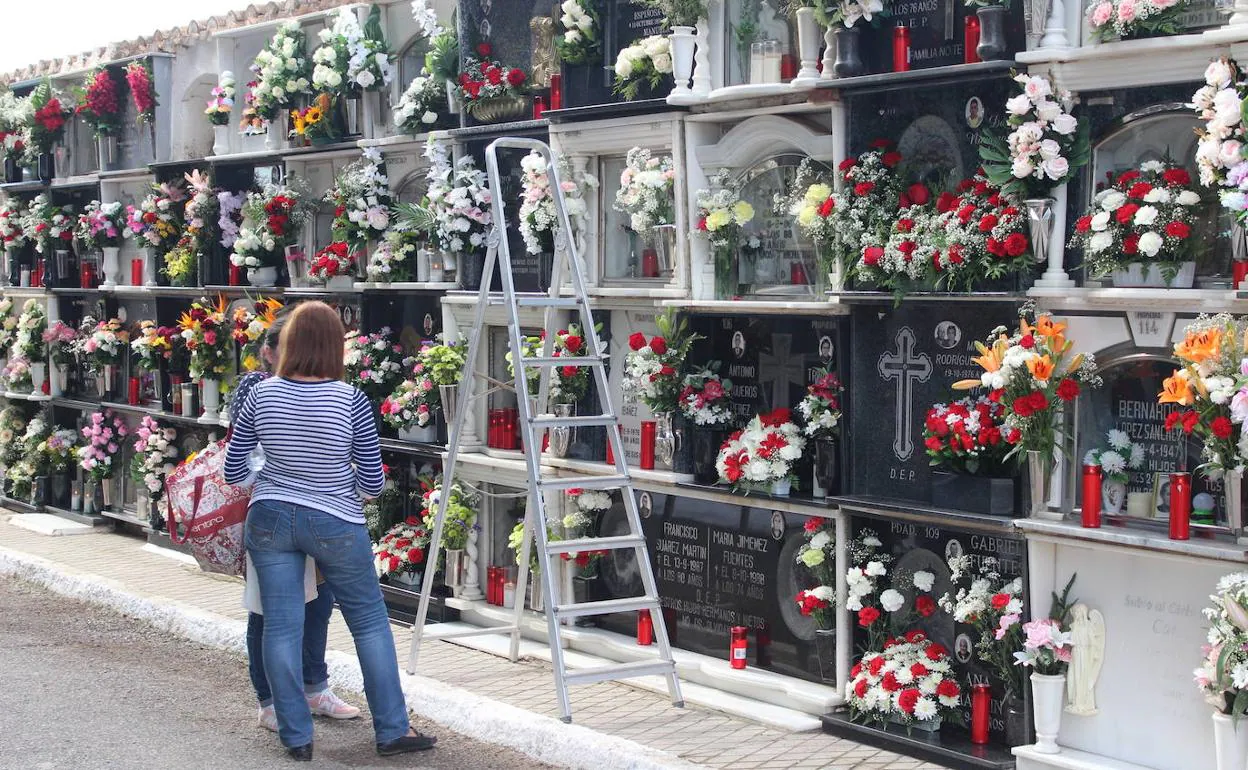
[1087, 630]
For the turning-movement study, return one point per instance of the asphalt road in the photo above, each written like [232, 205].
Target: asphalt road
[86, 688]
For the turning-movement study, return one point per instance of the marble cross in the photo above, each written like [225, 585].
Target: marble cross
[780, 368]
[906, 368]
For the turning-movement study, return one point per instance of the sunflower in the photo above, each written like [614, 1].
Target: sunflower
[313, 116]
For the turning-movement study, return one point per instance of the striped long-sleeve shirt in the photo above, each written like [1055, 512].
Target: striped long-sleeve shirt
[319, 442]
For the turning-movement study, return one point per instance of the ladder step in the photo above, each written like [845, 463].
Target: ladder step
[546, 301]
[585, 482]
[446, 631]
[607, 606]
[581, 421]
[595, 544]
[589, 360]
[620, 671]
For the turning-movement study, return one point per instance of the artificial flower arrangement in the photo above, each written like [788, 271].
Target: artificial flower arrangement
[101, 344]
[142, 90]
[272, 219]
[970, 436]
[157, 221]
[818, 555]
[155, 455]
[361, 200]
[705, 398]
[1146, 216]
[401, 550]
[412, 404]
[1046, 144]
[315, 123]
[336, 259]
[8, 325]
[582, 507]
[28, 335]
[1222, 677]
[869, 599]
[646, 193]
[538, 219]
[577, 39]
[59, 338]
[763, 454]
[374, 363]
[644, 62]
[847, 12]
[57, 449]
[395, 255]
[461, 514]
[48, 118]
[99, 103]
[1220, 143]
[1210, 391]
[16, 375]
[1048, 643]
[12, 426]
[483, 78]
[148, 346]
[529, 348]
[102, 436]
[459, 198]
[909, 681]
[351, 57]
[15, 116]
[222, 101]
[101, 225]
[820, 408]
[50, 228]
[206, 334]
[444, 361]
[652, 368]
[982, 598]
[229, 216]
[1134, 19]
[12, 222]
[281, 72]
[721, 219]
[33, 462]
[571, 383]
[250, 324]
[200, 213]
[422, 105]
[983, 235]
[906, 256]
[1122, 456]
[1032, 372]
[181, 263]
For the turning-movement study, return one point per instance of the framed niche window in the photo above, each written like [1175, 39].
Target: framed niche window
[760, 43]
[622, 252]
[1166, 133]
[776, 259]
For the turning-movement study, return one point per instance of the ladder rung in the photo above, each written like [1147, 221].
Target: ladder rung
[595, 544]
[607, 606]
[580, 421]
[445, 631]
[545, 301]
[561, 360]
[619, 671]
[585, 482]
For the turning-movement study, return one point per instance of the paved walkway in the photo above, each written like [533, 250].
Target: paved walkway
[695, 735]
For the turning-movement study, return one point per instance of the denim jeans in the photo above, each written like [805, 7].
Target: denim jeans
[280, 536]
[315, 632]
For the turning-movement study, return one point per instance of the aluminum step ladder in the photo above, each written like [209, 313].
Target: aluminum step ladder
[533, 427]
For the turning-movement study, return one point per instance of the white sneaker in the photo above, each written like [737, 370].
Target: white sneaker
[268, 718]
[327, 704]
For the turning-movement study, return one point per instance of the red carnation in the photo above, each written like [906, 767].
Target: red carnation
[1178, 230]
[935, 652]
[987, 222]
[515, 78]
[493, 75]
[1221, 427]
[1083, 224]
[907, 699]
[946, 202]
[877, 664]
[1139, 190]
[860, 688]
[572, 342]
[1015, 244]
[658, 345]
[1027, 341]
[485, 49]
[1068, 390]
[924, 605]
[826, 208]
[637, 341]
[812, 524]
[1131, 244]
[948, 689]
[919, 670]
[872, 255]
[1190, 421]
[847, 164]
[1172, 420]
[862, 188]
[919, 194]
[567, 371]
[1177, 176]
[891, 159]
[1125, 213]
[867, 616]
[1128, 177]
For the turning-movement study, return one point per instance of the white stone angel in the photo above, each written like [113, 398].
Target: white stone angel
[1087, 629]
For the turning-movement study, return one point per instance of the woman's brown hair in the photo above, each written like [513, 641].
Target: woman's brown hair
[311, 344]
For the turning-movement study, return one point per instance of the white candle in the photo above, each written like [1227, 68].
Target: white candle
[1140, 504]
[756, 62]
[509, 595]
[771, 61]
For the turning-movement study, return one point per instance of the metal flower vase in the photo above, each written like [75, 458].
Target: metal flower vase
[449, 395]
[1233, 484]
[825, 650]
[453, 575]
[848, 52]
[1039, 226]
[562, 436]
[992, 44]
[499, 109]
[666, 440]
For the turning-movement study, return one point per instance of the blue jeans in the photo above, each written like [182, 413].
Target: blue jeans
[280, 536]
[315, 633]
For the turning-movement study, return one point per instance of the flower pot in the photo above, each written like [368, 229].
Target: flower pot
[111, 265]
[1046, 700]
[449, 394]
[827, 468]
[992, 45]
[409, 579]
[727, 273]
[781, 487]
[809, 35]
[106, 147]
[45, 167]
[848, 52]
[989, 495]
[1113, 495]
[262, 276]
[149, 266]
[1039, 226]
[340, 283]
[1230, 742]
[60, 379]
[211, 394]
[453, 574]
[1150, 275]
[1039, 476]
[38, 376]
[220, 140]
[682, 46]
[704, 448]
[925, 725]
[499, 109]
[825, 652]
[12, 170]
[561, 437]
[106, 493]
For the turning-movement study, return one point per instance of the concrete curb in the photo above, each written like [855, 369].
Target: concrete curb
[543, 738]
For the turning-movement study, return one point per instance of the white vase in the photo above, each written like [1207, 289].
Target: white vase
[149, 266]
[38, 377]
[781, 487]
[1150, 276]
[340, 283]
[682, 44]
[111, 265]
[220, 140]
[422, 266]
[808, 39]
[425, 435]
[1046, 694]
[1113, 495]
[275, 136]
[1230, 742]
[262, 276]
[211, 402]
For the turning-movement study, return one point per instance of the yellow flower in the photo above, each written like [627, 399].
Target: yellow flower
[251, 363]
[818, 193]
[717, 219]
[743, 212]
[807, 216]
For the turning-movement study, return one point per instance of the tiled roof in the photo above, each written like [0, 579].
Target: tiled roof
[169, 40]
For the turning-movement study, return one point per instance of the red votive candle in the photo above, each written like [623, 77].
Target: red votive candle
[539, 106]
[788, 67]
[610, 454]
[739, 648]
[970, 40]
[901, 48]
[1091, 496]
[133, 393]
[649, 262]
[1180, 506]
[645, 628]
[1239, 271]
[236, 275]
[36, 275]
[797, 275]
[556, 92]
[86, 276]
[981, 706]
[491, 577]
[136, 272]
[647, 445]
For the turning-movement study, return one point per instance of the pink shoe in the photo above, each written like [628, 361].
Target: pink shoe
[267, 718]
[326, 704]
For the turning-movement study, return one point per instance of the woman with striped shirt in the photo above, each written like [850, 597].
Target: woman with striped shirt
[321, 460]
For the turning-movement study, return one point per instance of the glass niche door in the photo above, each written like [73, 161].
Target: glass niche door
[776, 259]
[1170, 137]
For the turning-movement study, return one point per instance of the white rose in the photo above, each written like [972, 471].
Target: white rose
[1056, 168]
[1048, 111]
[623, 66]
[1150, 244]
[1050, 149]
[1145, 216]
[1064, 124]
[1018, 105]
[662, 63]
[429, 117]
[1037, 88]
[653, 46]
[366, 79]
[1218, 74]
[1022, 167]
[1226, 108]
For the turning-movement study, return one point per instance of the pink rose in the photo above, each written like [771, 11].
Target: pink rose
[1102, 14]
[1126, 11]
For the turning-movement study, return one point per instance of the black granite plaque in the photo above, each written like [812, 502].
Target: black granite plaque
[719, 566]
[623, 22]
[413, 318]
[904, 360]
[937, 33]
[927, 547]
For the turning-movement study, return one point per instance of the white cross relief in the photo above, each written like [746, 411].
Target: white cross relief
[907, 368]
[781, 369]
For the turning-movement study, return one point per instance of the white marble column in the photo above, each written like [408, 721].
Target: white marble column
[472, 578]
[1055, 277]
[702, 61]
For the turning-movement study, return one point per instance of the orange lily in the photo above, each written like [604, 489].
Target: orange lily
[990, 358]
[1176, 390]
[1041, 367]
[1200, 346]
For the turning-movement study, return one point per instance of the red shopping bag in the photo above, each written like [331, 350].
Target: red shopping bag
[210, 513]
